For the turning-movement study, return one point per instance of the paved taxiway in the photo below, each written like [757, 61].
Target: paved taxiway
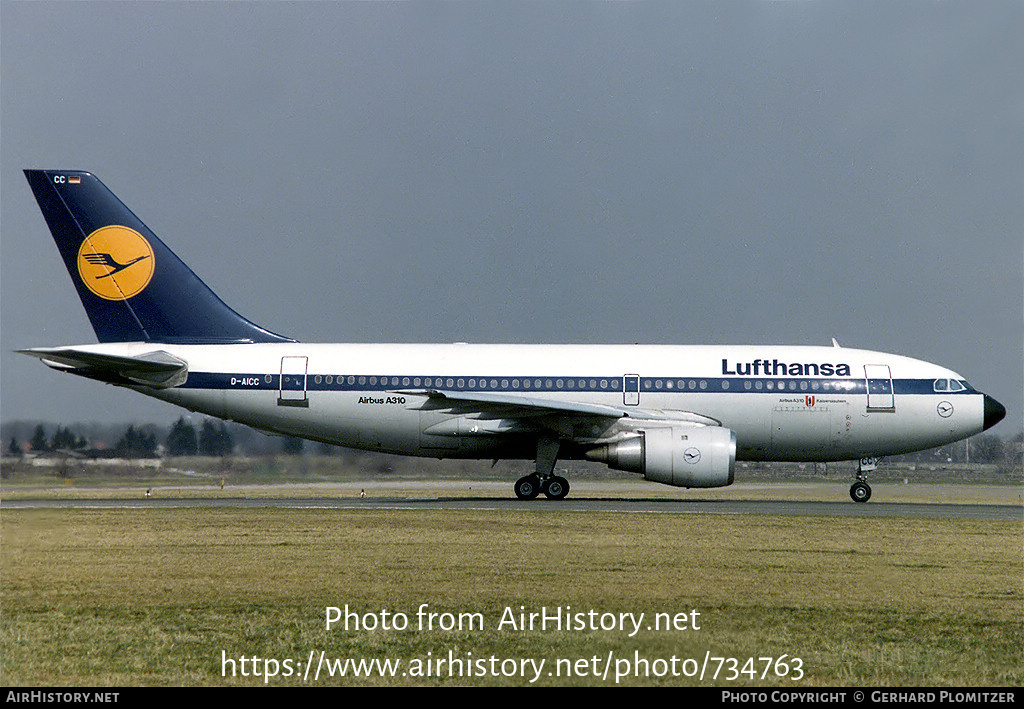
[582, 504]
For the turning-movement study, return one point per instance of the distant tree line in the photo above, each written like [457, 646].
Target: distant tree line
[182, 439]
[136, 444]
[63, 439]
[213, 439]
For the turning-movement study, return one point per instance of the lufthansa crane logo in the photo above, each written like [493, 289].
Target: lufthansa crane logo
[115, 262]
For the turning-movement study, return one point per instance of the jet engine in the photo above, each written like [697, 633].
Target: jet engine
[684, 456]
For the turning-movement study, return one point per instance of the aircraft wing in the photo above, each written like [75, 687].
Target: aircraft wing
[544, 413]
[155, 369]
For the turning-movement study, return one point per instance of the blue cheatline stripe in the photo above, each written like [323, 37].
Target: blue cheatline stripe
[563, 384]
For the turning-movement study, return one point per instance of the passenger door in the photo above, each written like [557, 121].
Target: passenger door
[879, 387]
[292, 391]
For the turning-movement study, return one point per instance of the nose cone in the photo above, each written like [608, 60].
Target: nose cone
[994, 412]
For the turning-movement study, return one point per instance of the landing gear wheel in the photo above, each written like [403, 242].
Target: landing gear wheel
[860, 491]
[527, 487]
[557, 488]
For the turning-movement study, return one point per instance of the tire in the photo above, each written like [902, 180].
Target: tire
[860, 492]
[557, 488]
[527, 487]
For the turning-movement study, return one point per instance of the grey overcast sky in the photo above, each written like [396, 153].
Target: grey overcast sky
[678, 172]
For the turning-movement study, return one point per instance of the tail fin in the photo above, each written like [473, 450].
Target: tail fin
[133, 287]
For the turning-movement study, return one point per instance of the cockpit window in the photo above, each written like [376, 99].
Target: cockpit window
[950, 385]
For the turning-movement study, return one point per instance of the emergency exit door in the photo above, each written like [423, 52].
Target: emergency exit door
[631, 390]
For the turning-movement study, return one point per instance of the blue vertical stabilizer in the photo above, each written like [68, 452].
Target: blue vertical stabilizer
[133, 287]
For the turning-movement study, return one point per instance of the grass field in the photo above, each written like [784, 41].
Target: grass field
[166, 597]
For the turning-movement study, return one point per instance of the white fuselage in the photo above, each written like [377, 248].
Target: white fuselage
[784, 403]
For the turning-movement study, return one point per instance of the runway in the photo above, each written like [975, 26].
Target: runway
[631, 505]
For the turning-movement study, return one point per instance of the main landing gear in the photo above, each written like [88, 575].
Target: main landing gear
[543, 480]
[554, 486]
[860, 491]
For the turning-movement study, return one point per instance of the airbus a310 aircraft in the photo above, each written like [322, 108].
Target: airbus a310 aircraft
[678, 415]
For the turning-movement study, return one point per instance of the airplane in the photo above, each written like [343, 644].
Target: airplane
[677, 415]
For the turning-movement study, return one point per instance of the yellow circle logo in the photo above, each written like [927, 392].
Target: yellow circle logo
[115, 262]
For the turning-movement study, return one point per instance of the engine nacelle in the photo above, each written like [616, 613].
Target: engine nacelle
[684, 456]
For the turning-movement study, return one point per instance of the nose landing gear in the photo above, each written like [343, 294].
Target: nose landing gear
[860, 491]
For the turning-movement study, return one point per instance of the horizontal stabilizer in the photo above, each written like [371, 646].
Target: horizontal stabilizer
[155, 369]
